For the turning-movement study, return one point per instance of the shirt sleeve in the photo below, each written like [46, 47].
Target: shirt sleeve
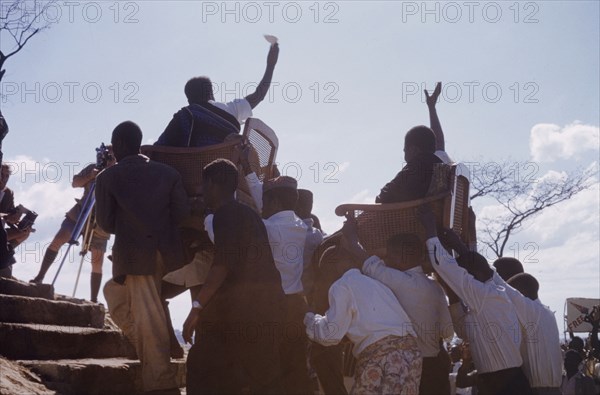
[524, 306]
[376, 268]
[227, 241]
[179, 203]
[330, 329]
[106, 205]
[208, 227]
[470, 291]
[457, 314]
[256, 189]
[239, 108]
[445, 318]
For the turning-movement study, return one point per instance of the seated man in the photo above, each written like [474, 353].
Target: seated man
[205, 121]
[368, 313]
[412, 182]
[423, 147]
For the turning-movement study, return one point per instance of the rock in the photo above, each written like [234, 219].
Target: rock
[23, 309]
[10, 286]
[16, 379]
[36, 341]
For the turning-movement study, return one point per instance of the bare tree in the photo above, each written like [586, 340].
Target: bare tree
[521, 198]
[19, 22]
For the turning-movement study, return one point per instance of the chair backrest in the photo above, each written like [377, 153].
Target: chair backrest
[378, 222]
[189, 161]
[265, 144]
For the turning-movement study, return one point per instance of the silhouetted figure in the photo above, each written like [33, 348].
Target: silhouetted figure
[6, 252]
[507, 267]
[206, 121]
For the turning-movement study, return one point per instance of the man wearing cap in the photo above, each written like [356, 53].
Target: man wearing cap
[287, 237]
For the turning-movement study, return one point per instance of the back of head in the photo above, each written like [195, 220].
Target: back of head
[305, 203]
[406, 248]
[126, 139]
[221, 172]
[508, 267]
[199, 90]
[572, 360]
[422, 137]
[526, 284]
[279, 194]
[476, 265]
[577, 344]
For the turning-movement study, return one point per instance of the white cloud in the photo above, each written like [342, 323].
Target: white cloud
[549, 142]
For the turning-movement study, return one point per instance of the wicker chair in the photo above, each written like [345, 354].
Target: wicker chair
[448, 197]
[189, 161]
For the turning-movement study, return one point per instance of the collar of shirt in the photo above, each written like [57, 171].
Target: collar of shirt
[134, 158]
[309, 222]
[285, 216]
[415, 270]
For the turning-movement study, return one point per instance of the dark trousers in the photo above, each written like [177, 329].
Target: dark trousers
[503, 382]
[224, 360]
[294, 345]
[434, 376]
[328, 363]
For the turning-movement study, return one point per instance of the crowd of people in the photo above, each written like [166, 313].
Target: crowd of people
[277, 302]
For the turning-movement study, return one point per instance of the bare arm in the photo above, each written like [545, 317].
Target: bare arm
[434, 121]
[263, 87]
[86, 175]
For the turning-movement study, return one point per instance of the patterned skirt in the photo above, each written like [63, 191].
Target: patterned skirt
[391, 365]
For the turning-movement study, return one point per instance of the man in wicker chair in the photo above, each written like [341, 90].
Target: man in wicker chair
[205, 121]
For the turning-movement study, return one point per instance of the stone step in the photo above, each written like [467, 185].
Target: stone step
[96, 376]
[37, 341]
[10, 286]
[28, 310]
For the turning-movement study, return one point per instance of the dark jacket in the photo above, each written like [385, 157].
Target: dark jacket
[8, 201]
[412, 182]
[142, 202]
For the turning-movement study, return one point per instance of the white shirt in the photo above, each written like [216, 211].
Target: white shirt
[491, 325]
[314, 238]
[361, 308]
[239, 108]
[443, 156]
[287, 236]
[540, 348]
[256, 189]
[421, 297]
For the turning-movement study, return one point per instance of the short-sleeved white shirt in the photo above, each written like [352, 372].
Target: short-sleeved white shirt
[239, 108]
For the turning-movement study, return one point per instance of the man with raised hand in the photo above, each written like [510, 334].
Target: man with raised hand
[206, 121]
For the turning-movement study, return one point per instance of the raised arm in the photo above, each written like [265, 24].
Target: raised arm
[263, 87]
[434, 121]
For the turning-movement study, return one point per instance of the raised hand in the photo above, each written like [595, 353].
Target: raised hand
[273, 55]
[431, 100]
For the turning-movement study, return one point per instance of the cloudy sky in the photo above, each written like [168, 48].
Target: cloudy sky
[520, 84]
